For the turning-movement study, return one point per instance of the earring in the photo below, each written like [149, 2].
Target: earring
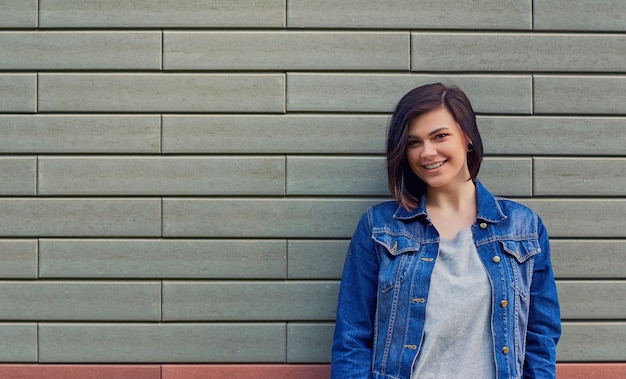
[470, 147]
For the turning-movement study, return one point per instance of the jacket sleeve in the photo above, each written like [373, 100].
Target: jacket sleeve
[544, 318]
[354, 330]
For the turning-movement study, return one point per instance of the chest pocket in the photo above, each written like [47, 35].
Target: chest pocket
[520, 255]
[394, 251]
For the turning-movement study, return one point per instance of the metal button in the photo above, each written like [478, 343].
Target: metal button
[505, 350]
[483, 225]
[504, 303]
[496, 259]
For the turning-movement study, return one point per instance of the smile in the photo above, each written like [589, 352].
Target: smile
[433, 166]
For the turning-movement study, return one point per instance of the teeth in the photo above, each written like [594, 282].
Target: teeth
[434, 165]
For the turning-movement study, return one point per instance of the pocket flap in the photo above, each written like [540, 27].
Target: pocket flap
[521, 250]
[396, 244]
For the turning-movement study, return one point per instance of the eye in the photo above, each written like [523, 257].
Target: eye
[413, 142]
[441, 136]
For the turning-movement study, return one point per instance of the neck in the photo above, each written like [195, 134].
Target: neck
[453, 198]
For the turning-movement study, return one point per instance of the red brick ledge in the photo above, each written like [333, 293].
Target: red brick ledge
[242, 371]
[591, 371]
[39, 371]
[265, 371]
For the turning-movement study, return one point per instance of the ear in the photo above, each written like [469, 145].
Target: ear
[470, 146]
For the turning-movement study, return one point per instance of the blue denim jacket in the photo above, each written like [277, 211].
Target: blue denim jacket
[386, 278]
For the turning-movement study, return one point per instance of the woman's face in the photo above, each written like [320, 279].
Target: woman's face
[437, 150]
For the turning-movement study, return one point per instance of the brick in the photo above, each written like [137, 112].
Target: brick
[223, 301]
[336, 176]
[363, 176]
[37, 371]
[579, 94]
[17, 176]
[161, 343]
[309, 342]
[106, 92]
[587, 370]
[23, 90]
[162, 175]
[19, 259]
[592, 342]
[517, 52]
[322, 371]
[286, 50]
[407, 14]
[80, 134]
[265, 218]
[581, 218]
[592, 259]
[316, 259]
[301, 134]
[18, 14]
[581, 136]
[580, 177]
[245, 371]
[592, 299]
[159, 258]
[162, 13]
[381, 92]
[588, 15]
[19, 342]
[104, 301]
[87, 49]
[507, 176]
[80, 217]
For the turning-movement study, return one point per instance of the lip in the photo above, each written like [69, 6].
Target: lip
[437, 165]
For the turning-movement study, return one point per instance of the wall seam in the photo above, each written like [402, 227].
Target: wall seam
[286, 20]
[38, 341]
[532, 15]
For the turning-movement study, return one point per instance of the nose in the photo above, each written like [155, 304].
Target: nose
[428, 150]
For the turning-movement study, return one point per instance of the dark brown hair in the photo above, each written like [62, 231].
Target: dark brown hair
[405, 186]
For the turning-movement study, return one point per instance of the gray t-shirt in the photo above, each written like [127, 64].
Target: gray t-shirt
[457, 341]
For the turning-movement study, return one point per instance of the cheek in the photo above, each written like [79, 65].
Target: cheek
[412, 155]
[413, 161]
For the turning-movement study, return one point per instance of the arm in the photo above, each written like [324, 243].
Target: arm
[544, 318]
[354, 330]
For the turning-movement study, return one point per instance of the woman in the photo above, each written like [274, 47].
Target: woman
[448, 281]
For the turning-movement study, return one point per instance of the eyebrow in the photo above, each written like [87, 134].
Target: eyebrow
[431, 133]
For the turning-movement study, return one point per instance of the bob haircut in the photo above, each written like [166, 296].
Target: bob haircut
[405, 186]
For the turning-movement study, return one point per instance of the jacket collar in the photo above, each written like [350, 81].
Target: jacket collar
[488, 208]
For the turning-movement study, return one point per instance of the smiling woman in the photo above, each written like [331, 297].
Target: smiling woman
[445, 248]
[437, 154]
[439, 107]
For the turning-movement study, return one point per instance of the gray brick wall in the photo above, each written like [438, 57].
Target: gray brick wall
[179, 178]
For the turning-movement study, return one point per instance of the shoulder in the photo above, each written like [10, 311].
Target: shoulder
[384, 208]
[513, 208]
[521, 218]
[380, 214]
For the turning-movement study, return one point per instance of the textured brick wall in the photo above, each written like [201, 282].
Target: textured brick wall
[179, 178]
